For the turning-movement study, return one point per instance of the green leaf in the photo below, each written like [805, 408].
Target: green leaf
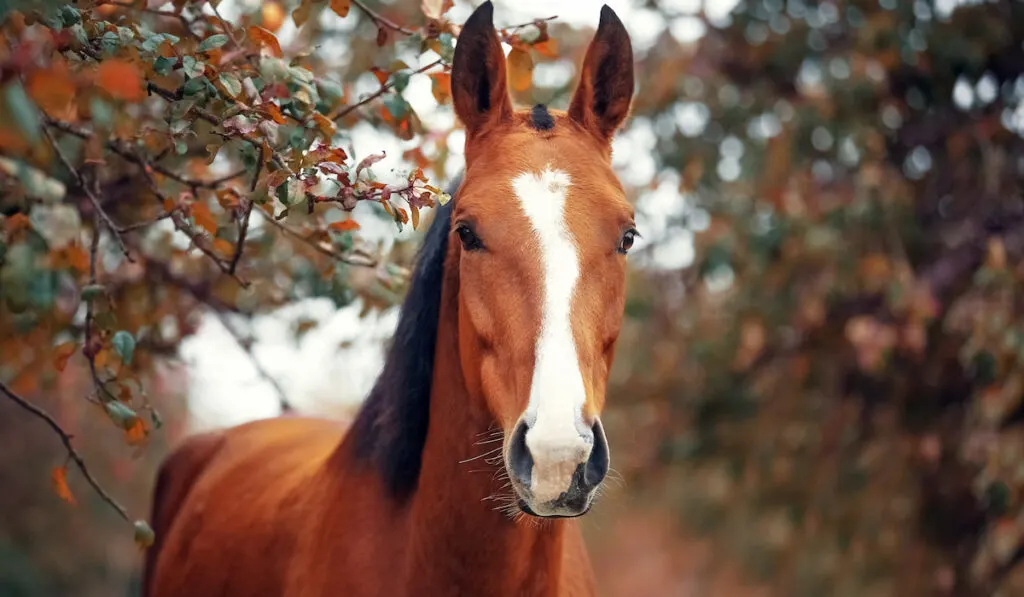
[120, 413]
[163, 65]
[35, 182]
[110, 42]
[124, 345]
[397, 106]
[59, 224]
[231, 83]
[194, 86]
[25, 114]
[92, 291]
[447, 46]
[192, 67]
[401, 80]
[443, 198]
[80, 35]
[158, 421]
[213, 42]
[70, 15]
[144, 535]
[102, 113]
[125, 35]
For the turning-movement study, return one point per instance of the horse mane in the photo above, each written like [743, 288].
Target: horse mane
[391, 427]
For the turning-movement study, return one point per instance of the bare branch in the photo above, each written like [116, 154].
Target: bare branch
[382, 21]
[243, 229]
[96, 205]
[345, 111]
[320, 248]
[65, 438]
[245, 343]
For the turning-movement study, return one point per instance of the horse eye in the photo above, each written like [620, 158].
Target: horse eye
[627, 240]
[470, 241]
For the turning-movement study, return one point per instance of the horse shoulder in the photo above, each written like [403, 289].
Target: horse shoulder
[577, 572]
[175, 478]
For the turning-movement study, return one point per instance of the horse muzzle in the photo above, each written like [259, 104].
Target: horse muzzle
[555, 473]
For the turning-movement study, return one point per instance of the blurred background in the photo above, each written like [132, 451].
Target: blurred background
[817, 390]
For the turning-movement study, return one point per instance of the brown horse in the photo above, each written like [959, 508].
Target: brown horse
[503, 349]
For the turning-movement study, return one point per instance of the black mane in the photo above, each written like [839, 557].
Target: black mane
[391, 427]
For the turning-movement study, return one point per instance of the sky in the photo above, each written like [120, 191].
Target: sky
[337, 360]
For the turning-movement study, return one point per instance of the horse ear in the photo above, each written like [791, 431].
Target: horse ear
[603, 95]
[479, 87]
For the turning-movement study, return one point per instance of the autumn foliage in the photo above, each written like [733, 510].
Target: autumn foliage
[829, 392]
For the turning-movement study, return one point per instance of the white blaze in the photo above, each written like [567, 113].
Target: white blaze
[557, 395]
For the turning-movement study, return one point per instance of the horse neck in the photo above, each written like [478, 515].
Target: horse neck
[461, 543]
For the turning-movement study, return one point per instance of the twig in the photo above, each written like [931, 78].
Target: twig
[103, 394]
[382, 21]
[96, 205]
[369, 262]
[65, 438]
[127, 154]
[243, 229]
[223, 24]
[343, 112]
[185, 23]
[513, 28]
[246, 345]
[199, 291]
[211, 118]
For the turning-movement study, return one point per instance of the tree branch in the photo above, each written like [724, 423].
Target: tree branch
[346, 110]
[96, 205]
[65, 438]
[368, 262]
[381, 21]
[246, 345]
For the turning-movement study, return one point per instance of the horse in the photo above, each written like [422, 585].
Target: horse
[481, 441]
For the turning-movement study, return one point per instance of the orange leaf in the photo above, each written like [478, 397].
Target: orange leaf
[17, 222]
[62, 353]
[340, 7]
[325, 125]
[415, 216]
[136, 434]
[520, 69]
[59, 477]
[204, 217]
[122, 80]
[223, 247]
[274, 112]
[228, 198]
[344, 225]
[548, 48]
[381, 74]
[77, 257]
[273, 15]
[102, 358]
[52, 89]
[441, 87]
[265, 38]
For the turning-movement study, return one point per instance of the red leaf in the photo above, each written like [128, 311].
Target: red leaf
[369, 161]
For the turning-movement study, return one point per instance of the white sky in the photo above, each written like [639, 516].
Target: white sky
[225, 388]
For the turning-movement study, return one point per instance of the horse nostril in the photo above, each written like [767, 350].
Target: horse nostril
[597, 464]
[520, 461]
